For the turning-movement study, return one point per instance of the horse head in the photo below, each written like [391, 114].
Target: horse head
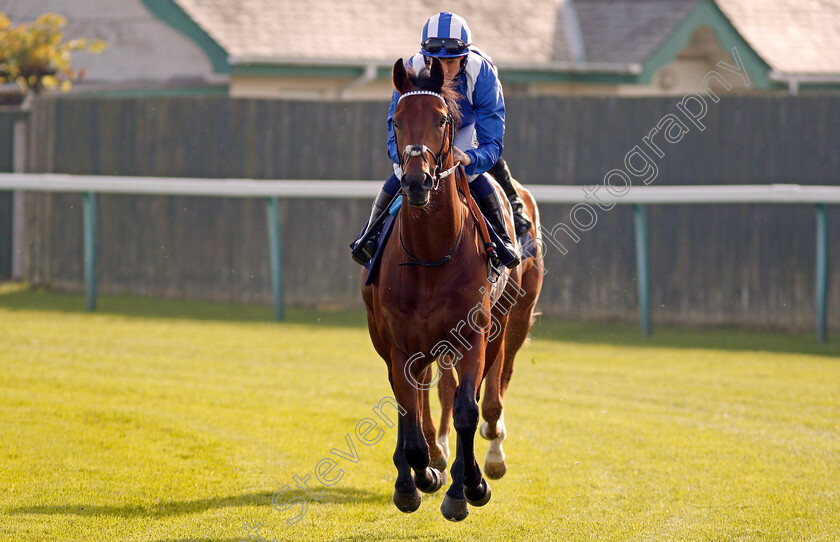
[424, 128]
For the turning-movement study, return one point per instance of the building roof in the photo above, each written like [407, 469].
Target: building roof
[791, 36]
[578, 41]
[371, 31]
[624, 31]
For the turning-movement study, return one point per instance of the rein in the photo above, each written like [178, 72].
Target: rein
[436, 263]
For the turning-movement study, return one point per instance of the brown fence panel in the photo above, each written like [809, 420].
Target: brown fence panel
[751, 265]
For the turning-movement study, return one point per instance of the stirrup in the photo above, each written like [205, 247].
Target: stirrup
[365, 247]
[512, 249]
[521, 221]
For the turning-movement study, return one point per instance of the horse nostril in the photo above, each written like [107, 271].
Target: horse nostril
[428, 182]
[416, 181]
[417, 186]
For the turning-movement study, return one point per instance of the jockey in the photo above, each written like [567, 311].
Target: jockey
[478, 144]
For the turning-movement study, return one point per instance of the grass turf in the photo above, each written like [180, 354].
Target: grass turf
[172, 421]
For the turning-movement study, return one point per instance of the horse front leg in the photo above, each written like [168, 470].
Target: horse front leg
[412, 452]
[437, 455]
[446, 393]
[468, 486]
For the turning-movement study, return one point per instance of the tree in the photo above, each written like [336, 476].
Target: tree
[34, 56]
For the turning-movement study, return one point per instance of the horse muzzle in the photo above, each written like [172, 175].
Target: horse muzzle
[416, 187]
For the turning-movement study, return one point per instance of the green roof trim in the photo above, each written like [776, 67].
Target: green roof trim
[707, 13]
[204, 90]
[513, 75]
[171, 13]
[816, 87]
[302, 70]
[280, 70]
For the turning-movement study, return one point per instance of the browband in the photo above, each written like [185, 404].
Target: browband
[427, 92]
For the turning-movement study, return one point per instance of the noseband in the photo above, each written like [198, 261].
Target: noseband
[422, 150]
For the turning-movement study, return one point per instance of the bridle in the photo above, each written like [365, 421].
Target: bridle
[422, 150]
[440, 158]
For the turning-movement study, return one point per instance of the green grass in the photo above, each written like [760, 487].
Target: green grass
[157, 420]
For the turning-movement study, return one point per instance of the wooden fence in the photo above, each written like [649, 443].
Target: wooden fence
[738, 264]
[8, 117]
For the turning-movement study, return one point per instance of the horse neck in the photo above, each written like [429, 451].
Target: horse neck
[430, 232]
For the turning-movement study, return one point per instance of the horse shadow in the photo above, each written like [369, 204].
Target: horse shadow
[672, 336]
[332, 495]
[383, 538]
[25, 298]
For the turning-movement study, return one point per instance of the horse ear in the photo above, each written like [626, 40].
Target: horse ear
[399, 76]
[436, 74]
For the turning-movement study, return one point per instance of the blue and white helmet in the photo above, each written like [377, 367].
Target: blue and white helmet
[445, 35]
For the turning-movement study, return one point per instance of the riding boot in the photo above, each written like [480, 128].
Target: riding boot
[362, 252]
[521, 220]
[491, 206]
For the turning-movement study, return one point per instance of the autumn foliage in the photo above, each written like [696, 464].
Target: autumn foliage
[34, 56]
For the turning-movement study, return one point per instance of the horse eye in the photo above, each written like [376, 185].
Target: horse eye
[396, 126]
[442, 122]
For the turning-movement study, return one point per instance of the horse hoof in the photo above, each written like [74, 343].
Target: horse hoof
[436, 483]
[407, 502]
[454, 509]
[494, 471]
[478, 496]
[439, 464]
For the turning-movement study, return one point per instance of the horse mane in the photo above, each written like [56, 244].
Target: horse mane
[423, 81]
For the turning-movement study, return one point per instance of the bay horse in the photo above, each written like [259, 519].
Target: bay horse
[434, 274]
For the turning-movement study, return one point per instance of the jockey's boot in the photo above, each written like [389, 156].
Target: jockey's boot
[491, 206]
[365, 246]
[521, 220]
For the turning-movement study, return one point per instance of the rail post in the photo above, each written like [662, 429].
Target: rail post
[821, 289]
[275, 255]
[642, 270]
[89, 225]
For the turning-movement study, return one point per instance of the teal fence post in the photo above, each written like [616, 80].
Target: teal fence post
[642, 271]
[822, 272]
[275, 255]
[89, 233]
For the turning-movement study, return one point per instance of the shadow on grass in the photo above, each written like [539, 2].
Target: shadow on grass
[343, 495]
[714, 338]
[20, 297]
[383, 537]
